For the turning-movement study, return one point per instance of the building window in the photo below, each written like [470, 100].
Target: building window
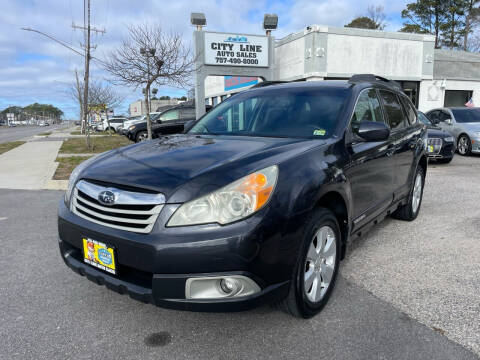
[223, 97]
[214, 101]
[457, 97]
[207, 101]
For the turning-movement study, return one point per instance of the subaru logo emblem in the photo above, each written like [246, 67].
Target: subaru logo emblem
[106, 197]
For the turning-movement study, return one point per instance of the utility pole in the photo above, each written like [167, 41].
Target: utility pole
[87, 29]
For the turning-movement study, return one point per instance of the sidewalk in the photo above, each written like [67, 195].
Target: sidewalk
[29, 166]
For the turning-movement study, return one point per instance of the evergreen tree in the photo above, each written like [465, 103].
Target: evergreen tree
[375, 19]
[362, 22]
[453, 29]
[425, 17]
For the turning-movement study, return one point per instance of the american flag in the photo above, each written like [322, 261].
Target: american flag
[469, 103]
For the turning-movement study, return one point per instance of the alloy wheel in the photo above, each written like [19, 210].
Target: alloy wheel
[463, 145]
[320, 264]
[142, 137]
[417, 193]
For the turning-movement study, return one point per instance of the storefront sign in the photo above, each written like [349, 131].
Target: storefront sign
[236, 82]
[236, 50]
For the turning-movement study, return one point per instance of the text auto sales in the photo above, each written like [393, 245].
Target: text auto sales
[247, 54]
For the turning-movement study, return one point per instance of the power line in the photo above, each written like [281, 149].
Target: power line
[62, 43]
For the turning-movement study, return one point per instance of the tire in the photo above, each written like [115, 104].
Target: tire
[300, 301]
[141, 136]
[410, 210]
[464, 145]
[445, 161]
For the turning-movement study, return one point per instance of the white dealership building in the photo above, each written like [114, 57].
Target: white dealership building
[430, 77]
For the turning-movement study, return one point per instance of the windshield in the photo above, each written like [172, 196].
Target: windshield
[466, 115]
[423, 118]
[281, 112]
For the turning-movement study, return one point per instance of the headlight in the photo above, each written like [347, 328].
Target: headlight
[131, 127]
[449, 139]
[230, 203]
[74, 177]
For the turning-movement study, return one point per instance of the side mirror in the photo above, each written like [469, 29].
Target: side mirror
[448, 121]
[373, 131]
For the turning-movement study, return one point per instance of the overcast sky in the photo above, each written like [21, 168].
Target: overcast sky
[36, 69]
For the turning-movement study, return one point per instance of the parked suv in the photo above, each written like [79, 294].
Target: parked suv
[254, 203]
[463, 123]
[170, 121]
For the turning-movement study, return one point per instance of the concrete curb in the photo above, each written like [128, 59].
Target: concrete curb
[56, 185]
[62, 155]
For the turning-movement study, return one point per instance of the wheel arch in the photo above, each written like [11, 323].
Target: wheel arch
[336, 203]
[461, 134]
[423, 162]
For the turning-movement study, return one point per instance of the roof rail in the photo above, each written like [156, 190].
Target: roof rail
[358, 78]
[267, 83]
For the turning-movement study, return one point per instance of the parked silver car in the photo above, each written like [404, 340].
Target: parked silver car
[463, 123]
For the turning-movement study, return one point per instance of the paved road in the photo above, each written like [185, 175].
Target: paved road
[49, 312]
[23, 132]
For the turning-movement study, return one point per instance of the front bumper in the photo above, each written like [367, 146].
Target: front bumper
[153, 268]
[475, 146]
[447, 151]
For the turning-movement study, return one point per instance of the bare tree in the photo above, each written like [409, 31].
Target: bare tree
[472, 21]
[474, 42]
[98, 93]
[377, 15]
[150, 56]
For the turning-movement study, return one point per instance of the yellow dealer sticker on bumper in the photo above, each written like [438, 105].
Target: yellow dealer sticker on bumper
[99, 255]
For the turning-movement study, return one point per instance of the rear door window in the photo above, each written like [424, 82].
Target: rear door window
[170, 115]
[409, 110]
[395, 116]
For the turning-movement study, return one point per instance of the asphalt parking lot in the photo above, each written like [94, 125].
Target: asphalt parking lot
[406, 291]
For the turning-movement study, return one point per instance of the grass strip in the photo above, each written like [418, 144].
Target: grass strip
[7, 146]
[98, 144]
[66, 166]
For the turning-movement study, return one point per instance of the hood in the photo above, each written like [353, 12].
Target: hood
[186, 166]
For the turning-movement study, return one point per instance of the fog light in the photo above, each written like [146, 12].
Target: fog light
[217, 287]
[230, 286]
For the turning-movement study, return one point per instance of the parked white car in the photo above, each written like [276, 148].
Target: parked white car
[115, 123]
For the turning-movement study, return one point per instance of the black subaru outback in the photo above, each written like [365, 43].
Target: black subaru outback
[254, 203]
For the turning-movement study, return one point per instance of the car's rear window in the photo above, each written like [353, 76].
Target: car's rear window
[466, 115]
[277, 112]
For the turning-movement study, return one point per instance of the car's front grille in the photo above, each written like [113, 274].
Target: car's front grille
[434, 146]
[129, 210]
